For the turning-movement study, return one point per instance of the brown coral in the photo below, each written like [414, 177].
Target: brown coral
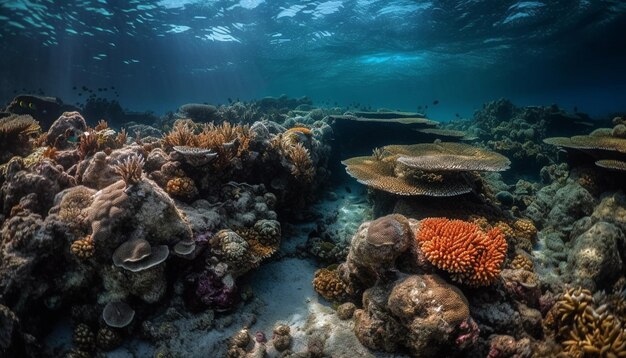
[302, 165]
[447, 156]
[472, 256]
[181, 135]
[88, 144]
[84, 338]
[381, 174]
[108, 339]
[523, 262]
[612, 164]
[182, 188]
[525, 229]
[83, 248]
[102, 125]
[16, 131]
[329, 285]
[130, 169]
[585, 330]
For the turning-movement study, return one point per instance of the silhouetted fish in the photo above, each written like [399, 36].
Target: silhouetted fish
[436, 102]
[456, 114]
[348, 190]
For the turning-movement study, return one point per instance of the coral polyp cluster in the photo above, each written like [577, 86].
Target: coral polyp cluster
[472, 256]
[585, 328]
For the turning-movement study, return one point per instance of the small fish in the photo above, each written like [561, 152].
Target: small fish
[348, 190]
[575, 108]
[426, 106]
[457, 115]
[419, 107]
[80, 94]
[436, 102]
[112, 87]
[230, 100]
[74, 88]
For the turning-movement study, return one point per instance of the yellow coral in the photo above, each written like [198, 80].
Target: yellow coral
[329, 285]
[525, 229]
[182, 188]
[523, 262]
[83, 248]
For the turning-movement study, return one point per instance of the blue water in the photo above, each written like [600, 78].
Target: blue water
[396, 54]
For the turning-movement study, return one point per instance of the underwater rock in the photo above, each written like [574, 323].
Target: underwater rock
[198, 112]
[505, 198]
[560, 205]
[570, 203]
[611, 209]
[597, 256]
[43, 179]
[374, 250]
[43, 109]
[16, 136]
[143, 131]
[421, 313]
[69, 124]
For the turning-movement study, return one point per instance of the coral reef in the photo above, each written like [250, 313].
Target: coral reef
[220, 221]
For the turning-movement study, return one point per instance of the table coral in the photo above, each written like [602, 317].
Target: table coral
[461, 248]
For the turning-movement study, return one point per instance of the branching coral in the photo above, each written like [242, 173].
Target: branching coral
[584, 329]
[302, 165]
[227, 140]
[130, 169]
[88, 144]
[181, 135]
[461, 248]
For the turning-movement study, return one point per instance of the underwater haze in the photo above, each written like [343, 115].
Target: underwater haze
[398, 54]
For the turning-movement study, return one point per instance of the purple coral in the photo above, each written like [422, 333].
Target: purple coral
[469, 333]
[217, 292]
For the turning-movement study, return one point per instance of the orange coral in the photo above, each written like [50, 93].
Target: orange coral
[472, 256]
[304, 130]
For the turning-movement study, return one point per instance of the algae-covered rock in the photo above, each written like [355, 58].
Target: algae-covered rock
[596, 258]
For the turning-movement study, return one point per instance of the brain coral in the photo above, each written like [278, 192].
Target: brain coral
[472, 256]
